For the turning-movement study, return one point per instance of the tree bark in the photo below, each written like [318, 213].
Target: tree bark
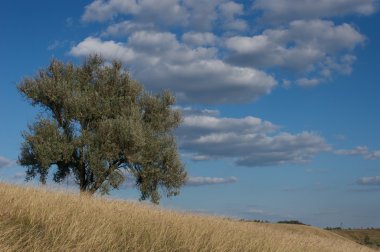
[43, 180]
[82, 178]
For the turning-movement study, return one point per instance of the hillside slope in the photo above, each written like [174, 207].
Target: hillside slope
[368, 237]
[33, 219]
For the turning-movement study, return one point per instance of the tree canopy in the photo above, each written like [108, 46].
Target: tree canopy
[99, 125]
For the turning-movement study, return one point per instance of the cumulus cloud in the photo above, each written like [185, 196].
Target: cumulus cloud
[250, 141]
[198, 181]
[160, 61]
[5, 162]
[199, 38]
[369, 180]
[212, 124]
[208, 52]
[108, 49]
[199, 15]
[126, 27]
[286, 10]
[202, 14]
[360, 151]
[230, 9]
[146, 10]
[229, 12]
[373, 155]
[100, 10]
[314, 47]
[192, 111]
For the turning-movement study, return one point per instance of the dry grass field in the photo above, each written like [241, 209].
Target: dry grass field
[33, 219]
[368, 237]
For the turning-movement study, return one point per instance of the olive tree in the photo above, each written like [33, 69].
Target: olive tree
[98, 125]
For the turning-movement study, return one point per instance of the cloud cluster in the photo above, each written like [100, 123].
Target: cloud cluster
[160, 61]
[318, 47]
[360, 151]
[286, 10]
[369, 180]
[199, 38]
[5, 162]
[199, 181]
[250, 141]
[215, 52]
[189, 14]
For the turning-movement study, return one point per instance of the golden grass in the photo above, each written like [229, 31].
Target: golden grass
[33, 219]
[360, 235]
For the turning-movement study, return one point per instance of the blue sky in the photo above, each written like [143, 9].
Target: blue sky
[280, 98]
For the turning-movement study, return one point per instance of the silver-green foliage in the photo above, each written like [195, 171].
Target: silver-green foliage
[99, 123]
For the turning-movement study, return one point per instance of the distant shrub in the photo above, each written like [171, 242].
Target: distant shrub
[292, 222]
[333, 228]
[258, 221]
[366, 240]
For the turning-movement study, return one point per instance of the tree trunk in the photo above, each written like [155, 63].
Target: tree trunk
[43, 180]
[82, 178]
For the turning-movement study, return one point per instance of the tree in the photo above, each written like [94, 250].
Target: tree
[98, 123]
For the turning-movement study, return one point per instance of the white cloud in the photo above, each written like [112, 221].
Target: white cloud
[236, 24]
[155, 42]
[285, 10]
[342, 65]
[305, 82]
[198, 181]
[360, 151]
[5, 162]
[193, 14]
[373, 155]
[199, 38]
[125, 28]
[167, 12]
[100, 10]
[229, 10]
[314, 47]
[247, 124]
[108, 49]
[209, 52]
[249, 141]
[196, 111]
[159, 60]
[369, 180]
[202, 14]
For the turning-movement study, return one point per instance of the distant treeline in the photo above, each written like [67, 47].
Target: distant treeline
[339, 228]
[292, 222]
[297, 222]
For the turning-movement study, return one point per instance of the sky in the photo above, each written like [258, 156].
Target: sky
[280, 99]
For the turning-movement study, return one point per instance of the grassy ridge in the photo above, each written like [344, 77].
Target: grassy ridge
[38, 220]
[368, 237]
